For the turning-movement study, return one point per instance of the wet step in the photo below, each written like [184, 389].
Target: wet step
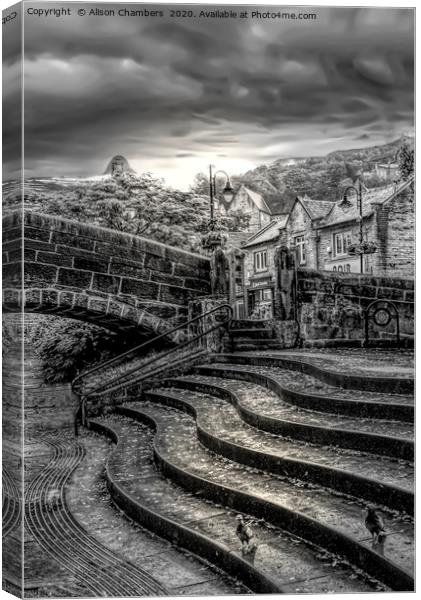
[312, 388]
[358, 370]
[178, 572]
[283, 557]
[392, 438]
[379, 479]
[178, 443]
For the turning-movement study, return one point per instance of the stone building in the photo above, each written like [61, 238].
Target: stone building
[388, 227]
[261, 210]
[259, 268]
[321, 233]
[388, 171]
[300, 231]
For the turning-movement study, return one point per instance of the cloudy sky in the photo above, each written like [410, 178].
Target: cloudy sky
[173, 95]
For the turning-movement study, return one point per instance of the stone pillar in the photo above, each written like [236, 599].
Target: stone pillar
[284, 284]
[219, 273]
[213, 342]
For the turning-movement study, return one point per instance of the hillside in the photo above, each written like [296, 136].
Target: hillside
[322, 178]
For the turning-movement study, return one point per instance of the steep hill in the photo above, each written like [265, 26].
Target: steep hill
[320, 177]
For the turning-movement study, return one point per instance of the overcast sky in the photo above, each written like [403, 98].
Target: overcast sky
[173, 95]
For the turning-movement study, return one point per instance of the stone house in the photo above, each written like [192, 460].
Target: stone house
[388, 171]
[300, 231]
[259, 269]
[262, 211]
[388, 223]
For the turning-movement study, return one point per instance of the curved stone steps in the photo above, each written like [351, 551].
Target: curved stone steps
[382, 480]
[262, 408]
[179, 572]
[323, 369]
[308, 392]
[312, 513]
[283, 562]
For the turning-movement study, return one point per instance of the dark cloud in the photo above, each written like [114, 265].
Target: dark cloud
[170, 93]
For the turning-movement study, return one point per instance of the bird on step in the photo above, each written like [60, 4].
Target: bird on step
[245, 534]
[375, 525]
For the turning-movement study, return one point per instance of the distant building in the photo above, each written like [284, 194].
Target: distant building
[261, 210]
[389, 171]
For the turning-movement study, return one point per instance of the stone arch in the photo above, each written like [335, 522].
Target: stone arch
[113, 315]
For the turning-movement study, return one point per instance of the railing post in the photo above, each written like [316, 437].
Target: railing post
[83, 411]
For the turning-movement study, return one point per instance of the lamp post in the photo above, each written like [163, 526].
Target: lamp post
[227, 192]
[346, 205]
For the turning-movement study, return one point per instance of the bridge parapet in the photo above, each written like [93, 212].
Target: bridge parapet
[74, 267]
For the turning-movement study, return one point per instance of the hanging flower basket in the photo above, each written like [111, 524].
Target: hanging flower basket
[369, 247]
[364, 248]
[212, 239]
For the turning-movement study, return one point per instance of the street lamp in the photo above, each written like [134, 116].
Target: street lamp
[346, 205]
[227, 192]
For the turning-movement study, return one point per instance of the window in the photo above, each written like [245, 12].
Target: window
[267, 295]
[260, 260]
[341, 241]
[300, 246]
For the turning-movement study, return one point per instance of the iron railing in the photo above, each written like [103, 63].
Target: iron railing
[129, 377]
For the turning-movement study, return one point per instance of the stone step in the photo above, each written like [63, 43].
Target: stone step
[176, 571]
[325, 369]
[247, 324]
[221, 429]
[334, 520]
[264, 409]
[245, 345]
[253, 333]
[283, 562]
[305, 391]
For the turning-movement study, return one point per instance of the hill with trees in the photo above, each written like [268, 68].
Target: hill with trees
[321, 178]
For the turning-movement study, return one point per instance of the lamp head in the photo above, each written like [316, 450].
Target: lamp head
[228, 192]
[346, 204]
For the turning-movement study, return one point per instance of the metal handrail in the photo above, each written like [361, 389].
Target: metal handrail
[116, 359]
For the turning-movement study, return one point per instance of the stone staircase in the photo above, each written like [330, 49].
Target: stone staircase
[251, 335]
[297, 447]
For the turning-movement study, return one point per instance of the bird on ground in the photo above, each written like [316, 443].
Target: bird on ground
[375, 525]
[245, 534]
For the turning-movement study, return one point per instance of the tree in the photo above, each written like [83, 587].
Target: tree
[406, 161]
[66, 347]
[200, 184]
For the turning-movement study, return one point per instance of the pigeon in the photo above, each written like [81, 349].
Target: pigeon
[245, 534]
[375, 525]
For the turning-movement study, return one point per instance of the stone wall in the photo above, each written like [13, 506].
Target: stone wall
[331, 306]
[92, 270]
[395, 232]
